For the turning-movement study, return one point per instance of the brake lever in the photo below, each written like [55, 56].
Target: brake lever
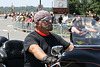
[57, 63]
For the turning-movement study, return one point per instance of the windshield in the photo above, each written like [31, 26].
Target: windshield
[88, 34]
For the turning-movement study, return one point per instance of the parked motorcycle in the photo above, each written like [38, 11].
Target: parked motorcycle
[12, 54]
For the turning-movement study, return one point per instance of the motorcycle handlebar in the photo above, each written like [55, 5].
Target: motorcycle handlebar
[78, 46]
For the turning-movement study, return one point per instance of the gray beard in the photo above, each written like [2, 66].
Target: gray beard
[49, 27]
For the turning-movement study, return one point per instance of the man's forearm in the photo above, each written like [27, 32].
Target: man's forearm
[70, 48]
[37, 52]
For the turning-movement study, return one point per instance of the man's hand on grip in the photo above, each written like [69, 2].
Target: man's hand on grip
[49, 60]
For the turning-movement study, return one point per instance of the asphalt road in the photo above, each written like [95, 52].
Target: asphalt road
[7, 30]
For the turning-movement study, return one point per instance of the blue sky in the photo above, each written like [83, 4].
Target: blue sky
[17, 3]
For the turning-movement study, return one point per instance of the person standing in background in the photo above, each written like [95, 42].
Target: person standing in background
[65, 18]
[74, 18]
[60, 19]
[95, 18]
[52, 17]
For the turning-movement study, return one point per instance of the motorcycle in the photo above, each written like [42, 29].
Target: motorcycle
[78, 57]
[85, 54]
[11, 53]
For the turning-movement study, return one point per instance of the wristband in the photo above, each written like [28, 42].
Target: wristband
[44, 58]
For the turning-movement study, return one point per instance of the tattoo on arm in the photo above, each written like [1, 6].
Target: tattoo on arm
[40, 51]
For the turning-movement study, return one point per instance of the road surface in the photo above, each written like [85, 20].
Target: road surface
[6, 28]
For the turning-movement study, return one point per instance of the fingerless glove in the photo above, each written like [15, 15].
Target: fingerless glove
[49, 60]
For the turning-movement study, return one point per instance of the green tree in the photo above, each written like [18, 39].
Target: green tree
[23, 8]
[81, 6]
[95, 7]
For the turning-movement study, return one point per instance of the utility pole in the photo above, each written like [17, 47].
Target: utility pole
[40, 6]
[12, 8]
[52, 6]
[26, 8]
[40, 2]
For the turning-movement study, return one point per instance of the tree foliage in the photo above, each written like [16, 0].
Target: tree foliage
[23, 8]
[81, 6]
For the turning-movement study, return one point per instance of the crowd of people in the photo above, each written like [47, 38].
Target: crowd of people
[27, 17]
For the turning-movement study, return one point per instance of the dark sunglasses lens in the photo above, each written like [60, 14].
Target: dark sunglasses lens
[47, 19]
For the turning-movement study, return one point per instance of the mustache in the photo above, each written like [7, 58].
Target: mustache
[50, 24]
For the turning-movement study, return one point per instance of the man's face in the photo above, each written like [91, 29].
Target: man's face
[46, 24]
[74, 15]
[95, 15]
[79, 23]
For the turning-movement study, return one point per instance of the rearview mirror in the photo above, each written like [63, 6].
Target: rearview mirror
[55, 51]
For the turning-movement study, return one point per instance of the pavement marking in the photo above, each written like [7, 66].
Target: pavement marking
[5, 30]
[9, 25]
[1, 19]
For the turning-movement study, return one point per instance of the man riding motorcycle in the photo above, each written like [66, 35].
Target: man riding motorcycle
[38, 44]
[77, 29]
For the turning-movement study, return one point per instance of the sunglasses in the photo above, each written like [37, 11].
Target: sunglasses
[47, 19]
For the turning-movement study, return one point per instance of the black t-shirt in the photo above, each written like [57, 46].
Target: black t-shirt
[96, 18]
[45, 42]
[60, 19]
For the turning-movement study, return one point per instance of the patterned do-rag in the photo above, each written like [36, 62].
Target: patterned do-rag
[41, 14]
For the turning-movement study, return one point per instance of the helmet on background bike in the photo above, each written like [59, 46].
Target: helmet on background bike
[74, 13]
[78, 20]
